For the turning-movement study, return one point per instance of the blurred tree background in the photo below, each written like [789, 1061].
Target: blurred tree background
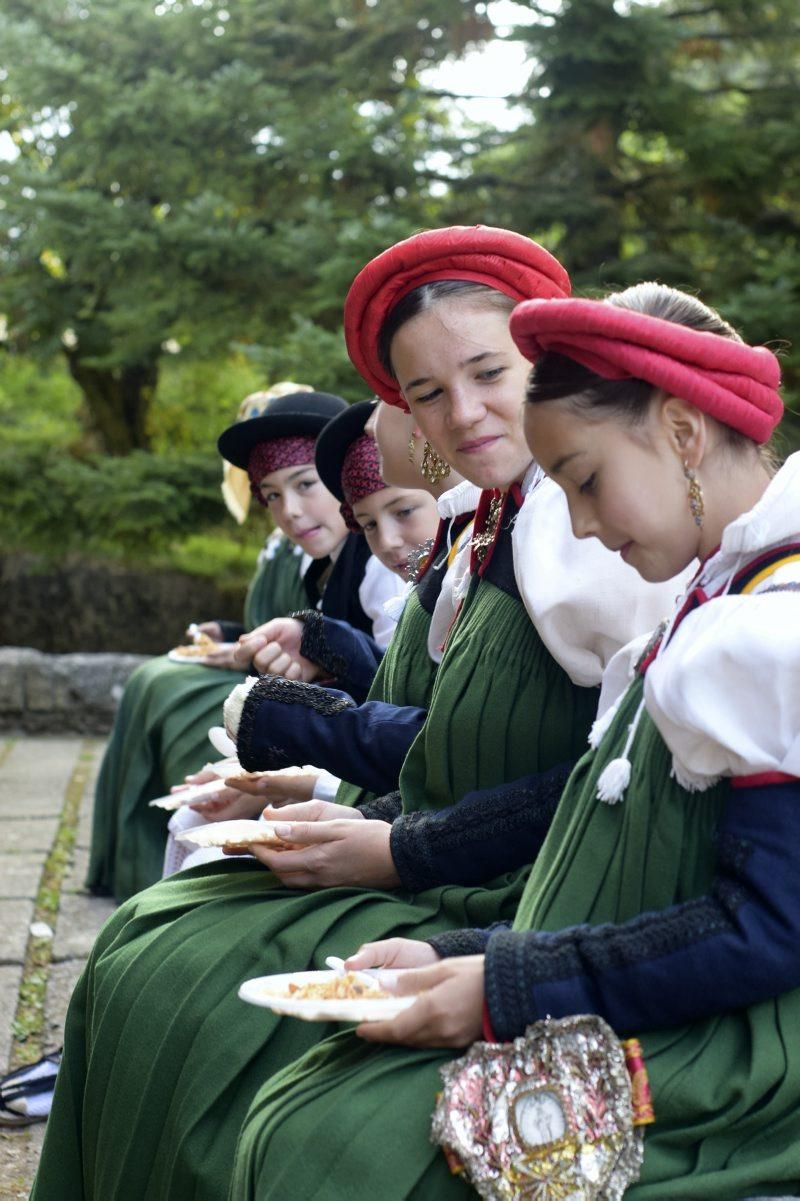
[188, 187]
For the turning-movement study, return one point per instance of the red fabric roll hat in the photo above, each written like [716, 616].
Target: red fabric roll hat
[482, 254]
[735, 383]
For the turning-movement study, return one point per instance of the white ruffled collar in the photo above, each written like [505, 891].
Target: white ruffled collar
[464, 497]
[533, 476]
[461, 499]
[773, 519]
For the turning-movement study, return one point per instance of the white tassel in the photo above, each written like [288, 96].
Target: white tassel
[601, 724]
[613, 780]
[616, 775]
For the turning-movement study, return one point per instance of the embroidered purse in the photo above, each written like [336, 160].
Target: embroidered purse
[552, 1116]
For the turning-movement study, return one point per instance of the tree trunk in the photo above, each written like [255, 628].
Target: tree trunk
[118, 402]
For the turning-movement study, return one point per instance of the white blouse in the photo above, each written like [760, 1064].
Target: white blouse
[725, 691]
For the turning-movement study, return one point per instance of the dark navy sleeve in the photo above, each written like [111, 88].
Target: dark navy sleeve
[451, 943]
[734, 947]
[382, 808]
[346, 654]
[287, 724]
[485, 834]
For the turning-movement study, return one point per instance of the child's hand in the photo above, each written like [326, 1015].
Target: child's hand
[275, 788]
[392, 952]
[448, 1011]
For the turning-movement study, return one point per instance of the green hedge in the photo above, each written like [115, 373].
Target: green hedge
[133, 507]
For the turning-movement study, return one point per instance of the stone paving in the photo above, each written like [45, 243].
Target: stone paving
[38, 776]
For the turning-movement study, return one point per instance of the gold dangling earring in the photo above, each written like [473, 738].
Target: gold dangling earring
[434, 467]
[412, 449]
[696, 503]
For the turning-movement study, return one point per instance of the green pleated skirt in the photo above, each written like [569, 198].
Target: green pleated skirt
[405, 677]
[160, 735]
[162, 1060]
[726, 1090]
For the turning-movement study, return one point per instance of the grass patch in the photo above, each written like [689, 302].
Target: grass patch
[29, 1021]
[6, 750]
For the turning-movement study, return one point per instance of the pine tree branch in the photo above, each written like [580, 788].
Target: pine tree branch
[752, 35]
[774, 88]
[686, 13]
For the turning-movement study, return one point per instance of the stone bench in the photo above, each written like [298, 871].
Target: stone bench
[60, 694]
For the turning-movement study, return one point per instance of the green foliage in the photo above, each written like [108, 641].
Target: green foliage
[216, 181]
[198, 398]
[662, 142]
[222, 553]
[203, 175]
[39, 403]
[322, 354]
[132, 507]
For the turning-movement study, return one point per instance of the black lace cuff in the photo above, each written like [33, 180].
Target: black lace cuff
[314, 644]
[271, 690]
[510, 974]
[460, 942]
[486, 834]
[383, 808]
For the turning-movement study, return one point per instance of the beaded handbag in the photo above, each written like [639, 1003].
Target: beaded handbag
[552, 1116]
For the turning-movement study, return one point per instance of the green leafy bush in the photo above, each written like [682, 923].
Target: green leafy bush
[132, 507]
[39, 403]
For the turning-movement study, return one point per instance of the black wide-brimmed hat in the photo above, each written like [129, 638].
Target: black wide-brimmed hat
[300, 414]
[334, 441]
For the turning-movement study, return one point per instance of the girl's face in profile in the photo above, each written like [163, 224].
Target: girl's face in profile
[464, 382]
[624, 484]
[396, 521]
[304, 509]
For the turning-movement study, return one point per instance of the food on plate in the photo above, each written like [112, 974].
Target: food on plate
[351, 986]
[202, 645]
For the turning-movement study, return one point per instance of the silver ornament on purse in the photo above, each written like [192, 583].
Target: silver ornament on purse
[552, 1116]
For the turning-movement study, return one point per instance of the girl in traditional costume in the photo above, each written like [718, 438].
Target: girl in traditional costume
[155, 1022]
[399, 525]
[161, 731]
[665, 896]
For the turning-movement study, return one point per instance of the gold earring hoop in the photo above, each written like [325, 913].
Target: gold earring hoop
[434, 468]
[412, 449]
[697, 505]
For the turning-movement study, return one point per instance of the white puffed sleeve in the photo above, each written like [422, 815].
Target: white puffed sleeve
[378, 586]
[619, 673]
[725, 692]
[584, 600]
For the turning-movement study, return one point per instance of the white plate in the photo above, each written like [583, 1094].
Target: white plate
[220, 741]
[230, 766]
[238, 832]
[188, 796]
[201, 659]
[270, 993]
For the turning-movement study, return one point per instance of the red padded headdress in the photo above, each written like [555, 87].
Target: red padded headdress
[503, 260]
[732, 382]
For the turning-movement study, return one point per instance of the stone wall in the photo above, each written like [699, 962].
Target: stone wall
[87, 605]
[59, 694]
